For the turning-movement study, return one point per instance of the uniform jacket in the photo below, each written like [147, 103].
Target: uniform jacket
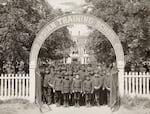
[106, 82]
[82, 75]
[97, 82]
[66, 86]
[87, 86]
[47, 80]
[77, 85]
[57, 84]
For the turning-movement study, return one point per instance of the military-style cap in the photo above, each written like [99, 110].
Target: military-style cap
[56, 69]
[65, 74]
[96, 75]
[58, 75]
[52, 66]
[46, 70]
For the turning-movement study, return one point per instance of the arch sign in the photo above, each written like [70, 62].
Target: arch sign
[70, 19]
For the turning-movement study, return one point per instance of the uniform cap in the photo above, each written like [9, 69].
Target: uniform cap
[96, 75]
[47, 70]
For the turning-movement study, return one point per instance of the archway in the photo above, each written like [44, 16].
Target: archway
[65, 20]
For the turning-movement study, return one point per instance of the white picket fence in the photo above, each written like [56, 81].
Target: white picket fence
[137, 84]
[14, 86]
[18, 85]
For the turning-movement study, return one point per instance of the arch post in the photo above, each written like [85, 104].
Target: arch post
[121, 78]
[32, 82]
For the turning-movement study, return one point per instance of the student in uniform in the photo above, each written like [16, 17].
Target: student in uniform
[47, 87]
[87, 89]
[77, 89]
[96, 85]
[57, 89]
[106, 87]
[66, 86]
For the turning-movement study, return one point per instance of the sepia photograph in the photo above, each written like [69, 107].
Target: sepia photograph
[74, 56]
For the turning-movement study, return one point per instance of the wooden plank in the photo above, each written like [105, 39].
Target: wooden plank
[19, 85]
[140, 84]
[12, 85]
[5, 85]
[133, 84]
[126, 85]
[8, 79]
[23, 85]
[28, 86]
[137, 84]
[2, 85]
[130, 83]
[16, 86]
[144, 87]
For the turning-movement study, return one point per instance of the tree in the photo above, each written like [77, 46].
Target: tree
[130, 20]
[20, 21]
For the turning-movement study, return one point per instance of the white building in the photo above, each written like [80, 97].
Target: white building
[78, 53]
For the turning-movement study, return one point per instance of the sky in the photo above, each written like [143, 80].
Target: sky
[66, 5]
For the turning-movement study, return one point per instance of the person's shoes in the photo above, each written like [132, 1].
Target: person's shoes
[97, 104]
[89, 105]
[67, 104]
[78, 105]
[57, 105]
[75, 105]
[48, 103]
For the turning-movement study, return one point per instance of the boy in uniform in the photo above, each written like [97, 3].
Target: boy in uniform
[106, 88]
[77, 89]
[47, 87]
[66, 86]
[87, 89]
[57, 89]
[96, 85]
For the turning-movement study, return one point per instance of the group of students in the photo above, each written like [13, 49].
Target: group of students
[75, 89]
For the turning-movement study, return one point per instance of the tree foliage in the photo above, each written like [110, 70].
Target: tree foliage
[130, 20]
[20, 21]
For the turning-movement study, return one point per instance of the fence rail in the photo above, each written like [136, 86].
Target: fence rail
[14, 86]
[137, 84]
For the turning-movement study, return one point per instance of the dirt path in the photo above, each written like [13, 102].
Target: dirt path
[23, 109]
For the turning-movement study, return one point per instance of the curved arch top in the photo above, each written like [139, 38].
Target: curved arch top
[85, 19]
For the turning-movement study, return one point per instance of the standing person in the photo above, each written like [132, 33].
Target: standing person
[57, 89]
[82, 75]
[77, 89]
[66, 86]
[47, 87]
[106, 88]
[87, 89]
[96, 85]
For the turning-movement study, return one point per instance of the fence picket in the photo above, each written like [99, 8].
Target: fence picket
[9, 85]
[130, 74]
[2, 85]
[27, 86]
[126, 85]
[147, 91]
[16, 85]
[140, 84]
[144, 87]
[5, 85]
[19, 85]
[133, 84]
[23, 85]
[137, 84]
